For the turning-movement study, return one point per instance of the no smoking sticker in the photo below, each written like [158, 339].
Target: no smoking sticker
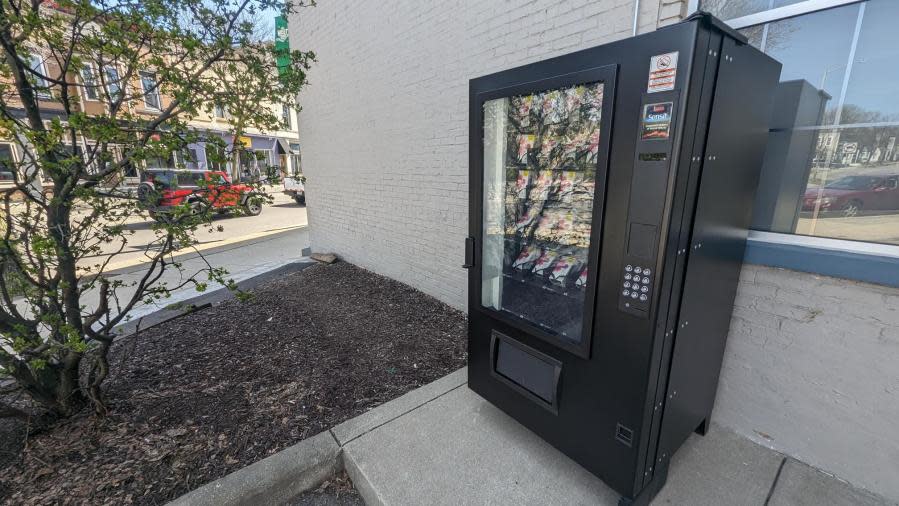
[662, 72]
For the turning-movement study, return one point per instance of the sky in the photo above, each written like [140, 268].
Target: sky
[268, 18]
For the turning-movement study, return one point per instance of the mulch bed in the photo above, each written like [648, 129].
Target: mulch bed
[201, 396]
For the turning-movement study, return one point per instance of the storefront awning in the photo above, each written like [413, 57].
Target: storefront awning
[284, 148]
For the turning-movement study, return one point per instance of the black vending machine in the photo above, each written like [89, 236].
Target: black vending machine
[611, 192]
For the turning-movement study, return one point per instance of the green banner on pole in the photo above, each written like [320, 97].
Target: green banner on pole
[282, 45]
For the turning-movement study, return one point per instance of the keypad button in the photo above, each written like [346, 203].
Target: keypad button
[627, 284]
[634, 295]
[625, 292]
[638, 270]
[643, 297]
[627, 277]
[629, 268]
[646, 280]
[644, 288]
[647, 272]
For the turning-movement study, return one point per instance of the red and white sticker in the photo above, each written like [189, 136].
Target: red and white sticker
[662, 72]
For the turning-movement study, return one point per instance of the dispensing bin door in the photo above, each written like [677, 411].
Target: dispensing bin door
[543, 173]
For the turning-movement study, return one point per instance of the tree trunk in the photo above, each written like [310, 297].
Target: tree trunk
[55, 386]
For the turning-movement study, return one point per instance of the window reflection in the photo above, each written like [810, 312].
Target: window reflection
[730, 9]
[832, 164]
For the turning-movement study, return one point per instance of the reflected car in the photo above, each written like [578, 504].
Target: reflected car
[851, 195]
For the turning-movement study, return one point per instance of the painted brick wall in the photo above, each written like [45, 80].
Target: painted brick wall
[384, 121]
[812, 370]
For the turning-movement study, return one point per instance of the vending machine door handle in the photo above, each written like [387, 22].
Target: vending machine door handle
[469, 253]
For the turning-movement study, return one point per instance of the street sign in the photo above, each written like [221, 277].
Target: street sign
[282, 45]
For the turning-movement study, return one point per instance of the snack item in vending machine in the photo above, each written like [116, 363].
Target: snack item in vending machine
[580, 235]
[543, 264]
[542, 186]
[547, 146]
[526, 259]
[529, 216]
[553, 106]
[525, 144]
[582, 279]
[592, 146]
[582, 194]
[522, 183]
[524, 109]
[565, 187]
[573, 98]
[593, 103]
[545, 226]
[561, 270]
[574, 144]
[564, 227]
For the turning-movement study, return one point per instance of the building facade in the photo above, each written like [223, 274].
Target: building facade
[97, 86]
[812, 363]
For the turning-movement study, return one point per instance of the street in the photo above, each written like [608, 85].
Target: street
[246, 246]
[282, 214]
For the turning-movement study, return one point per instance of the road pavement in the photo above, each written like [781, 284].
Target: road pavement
[246, 247]
[282, 214]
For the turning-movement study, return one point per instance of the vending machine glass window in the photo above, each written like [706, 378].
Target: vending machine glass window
[540, 160]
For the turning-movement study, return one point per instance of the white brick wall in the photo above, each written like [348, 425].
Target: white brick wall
[812, 365]
[384, 122]
[812, 370]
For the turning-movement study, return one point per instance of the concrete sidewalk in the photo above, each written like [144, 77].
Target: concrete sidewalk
[443, 444]
[243, 260]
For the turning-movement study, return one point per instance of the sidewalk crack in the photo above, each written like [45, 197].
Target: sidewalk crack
[776, 479]
[404, 413]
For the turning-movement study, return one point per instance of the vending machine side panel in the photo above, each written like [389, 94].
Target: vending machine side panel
[735, 149]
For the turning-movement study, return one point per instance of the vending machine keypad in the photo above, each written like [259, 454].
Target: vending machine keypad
[636, 287]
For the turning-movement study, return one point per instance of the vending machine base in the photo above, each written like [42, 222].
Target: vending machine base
[611, 195]
[650, 490]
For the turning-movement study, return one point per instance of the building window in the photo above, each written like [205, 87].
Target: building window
[151, 90]
[41, 86]
[221, 111]
[113, 83]
[285, 117]
[296, 159]
[833, 158]
[7, 164]
[89, 79]
[158, 162]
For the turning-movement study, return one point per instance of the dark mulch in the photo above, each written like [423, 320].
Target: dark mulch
[336, 491]
[203, 395]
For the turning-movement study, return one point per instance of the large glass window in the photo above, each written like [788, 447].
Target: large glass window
[540, 158]
[7, 163]
[833, 156]
[89, 78]
[113, 83]
[730, 9]
[39, 69]
[151, 90]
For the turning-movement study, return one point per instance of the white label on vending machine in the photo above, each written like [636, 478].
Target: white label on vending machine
[662, 72]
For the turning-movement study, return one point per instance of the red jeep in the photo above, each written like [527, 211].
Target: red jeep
[161, 190]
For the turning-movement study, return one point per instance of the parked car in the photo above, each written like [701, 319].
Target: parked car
[161, 190]
[849, 195]
[296, 188]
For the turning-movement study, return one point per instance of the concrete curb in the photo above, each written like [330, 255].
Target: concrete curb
[207, 249]
[301, 467]
[272, 480]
